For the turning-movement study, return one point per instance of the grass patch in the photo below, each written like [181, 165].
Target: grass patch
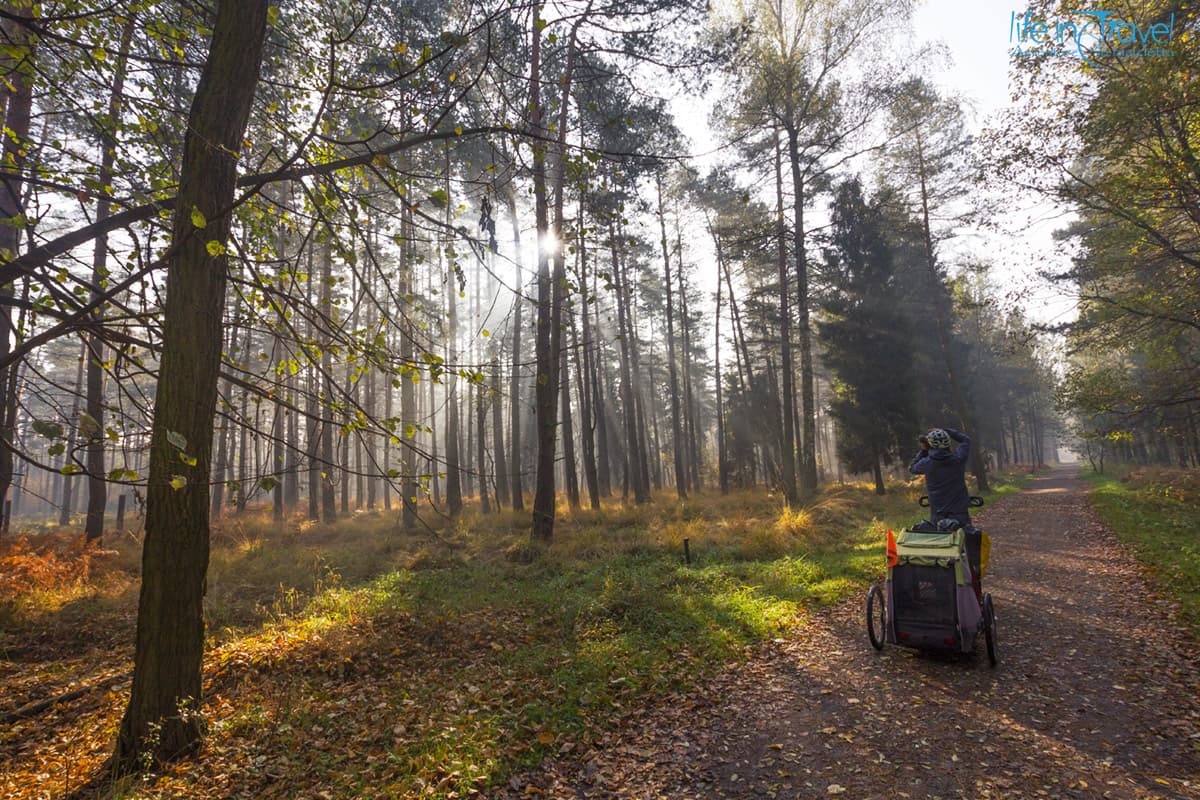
[361, 661]
[1157, 512]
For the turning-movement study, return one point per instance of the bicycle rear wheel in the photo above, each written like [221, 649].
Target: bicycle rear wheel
[989, 628]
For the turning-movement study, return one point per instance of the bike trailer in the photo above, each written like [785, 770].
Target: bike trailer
[931, 602]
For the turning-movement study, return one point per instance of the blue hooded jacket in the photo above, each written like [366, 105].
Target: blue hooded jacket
[945, 476]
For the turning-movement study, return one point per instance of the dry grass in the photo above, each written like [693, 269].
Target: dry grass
[309, 621]
[262, 568]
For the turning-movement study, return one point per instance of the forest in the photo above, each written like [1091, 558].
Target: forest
[434, 273]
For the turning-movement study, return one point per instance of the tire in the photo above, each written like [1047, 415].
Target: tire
[989, 628]
[876, 617]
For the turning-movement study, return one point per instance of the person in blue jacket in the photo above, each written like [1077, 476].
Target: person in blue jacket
[944, 467]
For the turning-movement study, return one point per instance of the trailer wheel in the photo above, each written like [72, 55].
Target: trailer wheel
[876, 617]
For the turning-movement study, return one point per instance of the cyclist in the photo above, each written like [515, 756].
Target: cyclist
[945, 473]
[946, 484]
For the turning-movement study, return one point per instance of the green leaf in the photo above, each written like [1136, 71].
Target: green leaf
[178, 482]
[268, 483]
[439, 198]
[56, 449]
[51, 430]
[215, 248]
[70, 469]
[198, 218]
[177, 439]
[88, 426]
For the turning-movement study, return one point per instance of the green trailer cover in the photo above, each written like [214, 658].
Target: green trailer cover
[933, 550]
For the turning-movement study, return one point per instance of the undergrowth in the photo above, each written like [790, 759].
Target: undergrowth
[361, 661]
[1157, 512]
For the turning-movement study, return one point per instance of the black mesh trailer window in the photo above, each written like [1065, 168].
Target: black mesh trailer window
[924, 595]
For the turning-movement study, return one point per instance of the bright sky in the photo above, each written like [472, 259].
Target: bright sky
[975, 35]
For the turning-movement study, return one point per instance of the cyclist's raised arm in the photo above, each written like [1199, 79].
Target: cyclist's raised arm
[963, 451]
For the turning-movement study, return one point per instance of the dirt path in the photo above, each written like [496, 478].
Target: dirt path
[1096, 695]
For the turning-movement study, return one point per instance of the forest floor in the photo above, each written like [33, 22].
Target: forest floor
[346, 662]
[1096, 694]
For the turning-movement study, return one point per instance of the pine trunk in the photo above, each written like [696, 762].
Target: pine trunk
[677, 441]
[499, 456]
[514, 392]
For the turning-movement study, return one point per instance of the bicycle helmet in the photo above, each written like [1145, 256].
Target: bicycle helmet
[938, 439]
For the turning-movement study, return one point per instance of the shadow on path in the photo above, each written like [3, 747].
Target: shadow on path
[1096, 694]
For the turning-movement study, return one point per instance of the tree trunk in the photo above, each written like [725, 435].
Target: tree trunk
[695, 459]
[677, 441]
[328, 486]
[162, 721]
[587, 423]
[217, 503]
[549, 333]
[291, 480]
[599, 380]
[498, 452]
[408, 389]
[568, 430]
[514, 392]
[344, 462]
[12, 208]
[740, 348]
[485, 503]
[808, 454]
[244, 425]
[97, 486]
[722, 468]
[67, 506]
[278, 448]
[313, 433]
[453, 475]
[636, 477]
